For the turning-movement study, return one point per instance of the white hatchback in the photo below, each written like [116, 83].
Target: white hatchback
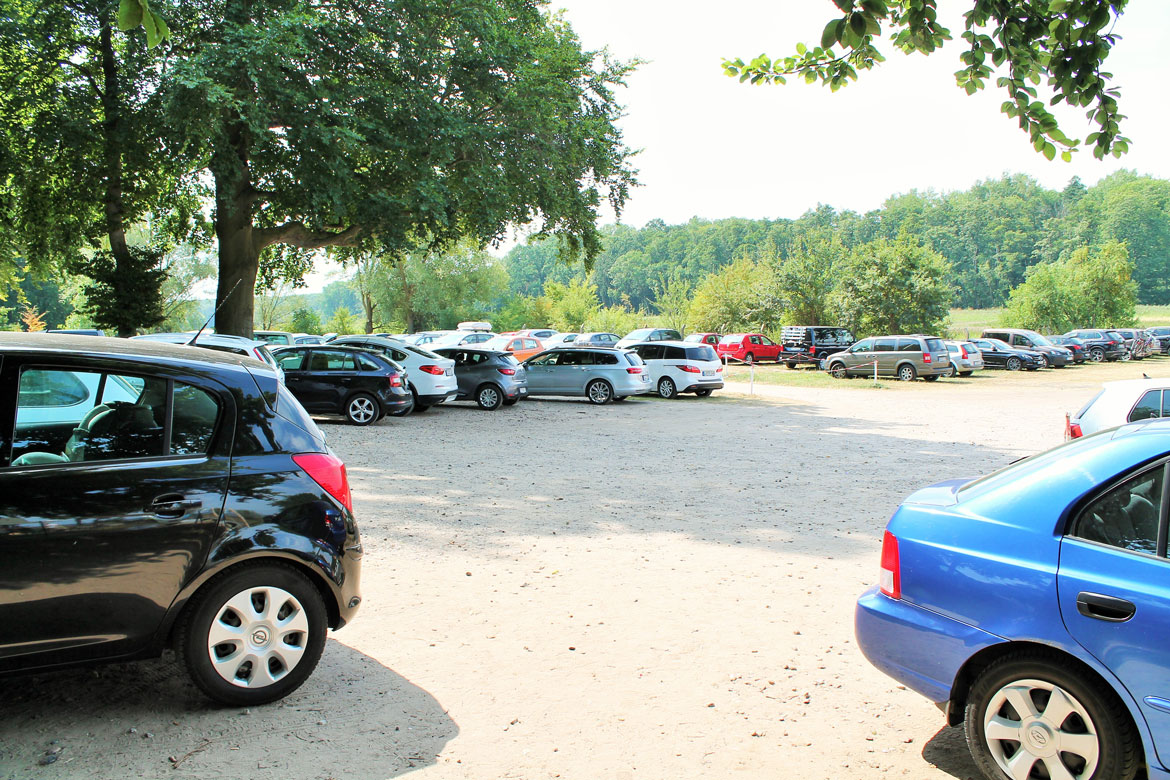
[681, 367]
[1129, 400]
[431, 377]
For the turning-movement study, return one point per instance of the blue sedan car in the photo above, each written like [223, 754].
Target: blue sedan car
[1033, 605]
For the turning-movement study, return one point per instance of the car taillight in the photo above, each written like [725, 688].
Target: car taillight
[506, 371]
[395, 380]
[436, 370]
[719, 370]
[634, 370]
[690, 369]
[926, 357]
[963, 351]
[329, 472]
[891, 581]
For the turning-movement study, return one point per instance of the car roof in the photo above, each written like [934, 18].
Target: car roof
[204, 338]
[109, 346]
[671, 343]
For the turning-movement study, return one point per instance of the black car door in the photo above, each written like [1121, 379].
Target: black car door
[100, 532]
[330, 375]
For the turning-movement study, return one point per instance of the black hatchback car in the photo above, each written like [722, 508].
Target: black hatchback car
[355, 383]
[150, 497]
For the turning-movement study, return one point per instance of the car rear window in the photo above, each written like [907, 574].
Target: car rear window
[633, 358]
[288, 407]
[909, 345]
[731, 339]
[934, 345]
[701, 353]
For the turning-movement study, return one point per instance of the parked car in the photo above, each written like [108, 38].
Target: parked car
[965, 358]
[461, 338]
[649, 334]
[77, 331]
[1100, 344]
[1030, 606]
[431, 378]
[307, 338]
[817, 342]
[1074, 345]
[277, 338]
[1020, 338]
[422, 339]
[205, 514]
[1159, 342]
[599, 374]
[540, 334]
[237, 345]
[330, 379]
[998, 354]
[489, 377]
[1117, 403]
[681, 367]
[559, 340]
[703, 338]
[748, 347]
[596, 339]
[523, 347]
[1135, 341]
[904, 357]
[1162, 333]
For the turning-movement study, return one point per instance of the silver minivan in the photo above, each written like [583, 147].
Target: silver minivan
[904, 357]
[601, 375]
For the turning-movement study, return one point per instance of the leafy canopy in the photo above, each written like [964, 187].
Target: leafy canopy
[1065, 42]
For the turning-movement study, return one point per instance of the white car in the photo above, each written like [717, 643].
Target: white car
[1129, 400]
[559, 340]
[965, 357]
[462, 338]
[431, 377]
[237, 345]
[681, 367]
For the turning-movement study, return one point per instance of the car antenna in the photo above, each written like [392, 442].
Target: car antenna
[203, 327]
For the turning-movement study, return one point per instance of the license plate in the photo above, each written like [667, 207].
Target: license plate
[708, 373]
[645, 377]
[450, 372]
[523, 391]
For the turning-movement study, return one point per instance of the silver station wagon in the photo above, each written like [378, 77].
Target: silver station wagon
[599, 374]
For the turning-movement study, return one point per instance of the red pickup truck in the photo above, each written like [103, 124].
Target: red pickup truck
[748, 347]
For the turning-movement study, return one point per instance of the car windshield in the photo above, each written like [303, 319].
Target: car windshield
[640, 334]
[1040, 341]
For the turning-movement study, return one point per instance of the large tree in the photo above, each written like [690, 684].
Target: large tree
[1063, 42]
[325, 124]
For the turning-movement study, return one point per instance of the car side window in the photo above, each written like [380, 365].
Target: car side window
[290, 360]
[193, 416]
[603, 358]
[331, 360]
[767, 342]
[884, 345]
[120, 417]
[909, 345]
[1148, 406]
[862, 346]
[754, 339]
[650, 351]
[367, 363]
[675, 353]
[1127, 515]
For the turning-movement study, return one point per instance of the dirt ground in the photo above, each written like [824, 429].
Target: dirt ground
[653, 589]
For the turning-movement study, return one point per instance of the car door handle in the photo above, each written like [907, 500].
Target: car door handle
[173, 505]
[1107, 608]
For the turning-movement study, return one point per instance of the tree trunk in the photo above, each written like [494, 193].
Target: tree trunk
[113, 129]
[368, 305]
[239, 257]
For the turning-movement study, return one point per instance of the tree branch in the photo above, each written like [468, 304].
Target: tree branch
[88, 77]
[296, 234]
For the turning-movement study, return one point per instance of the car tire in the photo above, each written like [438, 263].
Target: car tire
[599, 392]
[749, 358]
[790, 364]
[1096, 355]
[216, 633]
[489, 397]
[1013, 364]
[906, 373]
[703, 393]
[953, 372]
[362, 409]
[666, 388]
[839, 371]
[1044, 362]
[1086, 707]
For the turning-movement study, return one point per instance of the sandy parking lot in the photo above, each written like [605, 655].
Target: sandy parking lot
[653, 589]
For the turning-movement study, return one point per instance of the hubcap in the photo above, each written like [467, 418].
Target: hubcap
[488, 396]
[361, 409]
[1032, 721]
[666, 388]
[257, 637]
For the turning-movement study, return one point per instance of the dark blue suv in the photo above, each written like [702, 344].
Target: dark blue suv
[156, 495]
[1034, 606]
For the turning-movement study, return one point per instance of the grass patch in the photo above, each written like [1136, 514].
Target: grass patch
[969, 323]
[778, 374]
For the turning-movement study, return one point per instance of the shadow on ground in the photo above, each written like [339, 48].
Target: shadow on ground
[947, 750]
[353, 719]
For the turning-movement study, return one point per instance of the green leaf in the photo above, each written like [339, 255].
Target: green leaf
[829, 36]
[801, 49]
[1066, 156]
[150, 26]
[1049, 151]
[129, 14]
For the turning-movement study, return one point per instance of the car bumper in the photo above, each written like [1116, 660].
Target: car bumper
[920, 649]
[431, 399]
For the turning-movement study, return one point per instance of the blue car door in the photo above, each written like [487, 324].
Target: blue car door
[1113, 586]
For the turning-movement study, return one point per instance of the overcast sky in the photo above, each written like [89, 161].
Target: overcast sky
[712, 147]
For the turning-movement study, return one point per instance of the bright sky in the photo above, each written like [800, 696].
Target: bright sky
[712, 147]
